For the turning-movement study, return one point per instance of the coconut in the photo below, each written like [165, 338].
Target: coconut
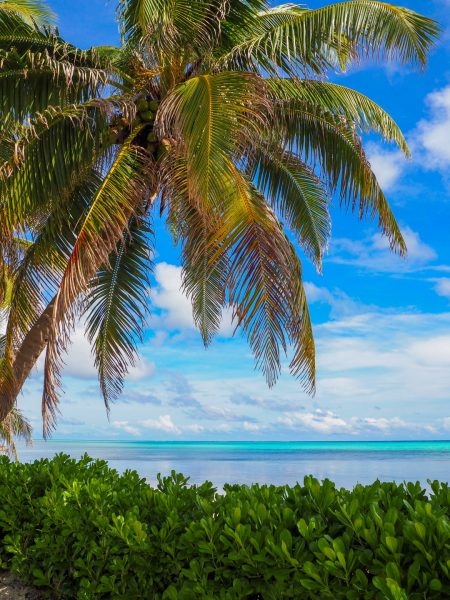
[148, 116]
[142, 105]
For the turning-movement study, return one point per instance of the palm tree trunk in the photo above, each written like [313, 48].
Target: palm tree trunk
[25, 359]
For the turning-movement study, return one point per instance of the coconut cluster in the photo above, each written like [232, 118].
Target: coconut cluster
[145, 119]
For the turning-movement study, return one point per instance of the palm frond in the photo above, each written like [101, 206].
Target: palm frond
[124, 187]
[31, 11]
[294, 39]
[205, 272]
[170, 24]
[38, 274]
[33, 81]
[47, 157]
[116, 307]
[296, 193]
[15, 425]
[340, 101]
[323, 139]
[263, 286]
[207, 115]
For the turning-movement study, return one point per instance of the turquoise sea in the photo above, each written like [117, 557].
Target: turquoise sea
[346, 463]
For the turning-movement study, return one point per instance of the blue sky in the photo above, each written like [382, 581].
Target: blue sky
[382, 324]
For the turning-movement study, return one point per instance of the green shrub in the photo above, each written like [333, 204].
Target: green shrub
[78, 529]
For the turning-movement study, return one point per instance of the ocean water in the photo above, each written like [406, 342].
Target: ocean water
[346, 463]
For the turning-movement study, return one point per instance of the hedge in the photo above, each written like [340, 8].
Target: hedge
[78, 529]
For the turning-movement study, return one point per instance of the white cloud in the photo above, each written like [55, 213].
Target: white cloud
[433, 134]
[169, 297]
[383, 424]
[176, 307]
[126, 427]
[325, 422]
[329, 423]
[340, 303]
[373, 253]
[79, 361]
[387, 165]
[429, 143]
[398, 361]
[251, 426]
[442, 286]
[163, 423]
[194, 428]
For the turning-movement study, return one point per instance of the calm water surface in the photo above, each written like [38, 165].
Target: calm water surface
[346, 463]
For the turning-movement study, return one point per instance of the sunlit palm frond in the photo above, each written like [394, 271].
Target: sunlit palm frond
[205, 272]
[121, 192]
[31, 11]
[262, 286]
[295, 39]
[327, 140]
[15, 425]
[116, 307]
[47, 157]
[37, 276]
[170, 24]
[340, 101]
[296, 193]
[35, 80]
[207, 115]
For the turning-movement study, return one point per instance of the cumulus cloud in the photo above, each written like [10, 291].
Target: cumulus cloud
[162, 423]
[319, 421]
[79, 362]
[433, 133]
[169, 297]
[126, 427]
[328, 423]
[442, 286]
[428, 142]
[388, 165]
[174, 306]
[373, 253]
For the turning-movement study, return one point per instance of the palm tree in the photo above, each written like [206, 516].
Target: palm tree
[214, 113]
[15, 425]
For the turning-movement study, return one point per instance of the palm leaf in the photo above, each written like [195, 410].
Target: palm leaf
[205, 271]
[170, 24]
[294, 39]
[124, 187]
[47, 157]
[263, 286]
[116, 307]
[38, 274]
[296, 193]
[15, 425]
[340, 101]
[207, 115]
[323, 139]
[35, 80]
[31, 11]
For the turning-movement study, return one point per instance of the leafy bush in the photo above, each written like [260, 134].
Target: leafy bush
[78, 529]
